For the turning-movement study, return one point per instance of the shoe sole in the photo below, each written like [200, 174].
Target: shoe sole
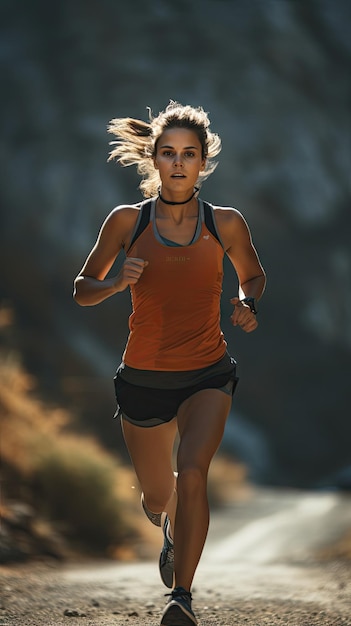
[176, 617]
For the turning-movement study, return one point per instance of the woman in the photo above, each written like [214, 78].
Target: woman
[176, 374]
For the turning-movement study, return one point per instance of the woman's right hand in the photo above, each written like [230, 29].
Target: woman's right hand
[130, 272]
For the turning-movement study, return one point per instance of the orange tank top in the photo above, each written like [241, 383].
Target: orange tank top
[175, 319]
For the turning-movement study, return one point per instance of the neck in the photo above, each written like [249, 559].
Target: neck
[196, 189]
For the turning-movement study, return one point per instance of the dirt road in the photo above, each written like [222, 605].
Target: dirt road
[261, 567]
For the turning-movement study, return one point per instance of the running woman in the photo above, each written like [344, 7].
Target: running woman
[176, 375]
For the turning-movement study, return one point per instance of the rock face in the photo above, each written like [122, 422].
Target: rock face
[275, 77]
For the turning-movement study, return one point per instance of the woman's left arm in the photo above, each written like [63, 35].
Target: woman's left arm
[237, 241]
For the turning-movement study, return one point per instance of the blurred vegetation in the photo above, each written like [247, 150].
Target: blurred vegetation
[69, 480]
[76, 481]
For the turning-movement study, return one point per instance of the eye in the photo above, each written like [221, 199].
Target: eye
[189, 154]
[167, 153]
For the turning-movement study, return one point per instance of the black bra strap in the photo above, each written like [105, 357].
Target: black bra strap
[143, 221]
[209, 220]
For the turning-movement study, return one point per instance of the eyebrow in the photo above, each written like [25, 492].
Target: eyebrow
[185, 148]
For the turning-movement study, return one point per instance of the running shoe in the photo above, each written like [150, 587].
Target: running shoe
[155, 518]
[166, 562]
[178, 611]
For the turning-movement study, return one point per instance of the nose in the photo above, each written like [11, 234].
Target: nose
[178, 160]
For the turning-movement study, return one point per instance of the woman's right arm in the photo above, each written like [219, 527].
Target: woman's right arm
[91, 285]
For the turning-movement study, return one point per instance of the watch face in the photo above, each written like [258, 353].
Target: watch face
[251, 303]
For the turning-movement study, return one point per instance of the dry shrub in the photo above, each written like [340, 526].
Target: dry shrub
[76, 482]
[27, 425]
[68, 478]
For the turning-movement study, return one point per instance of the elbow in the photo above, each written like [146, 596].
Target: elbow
[77, 295]
[77, 298]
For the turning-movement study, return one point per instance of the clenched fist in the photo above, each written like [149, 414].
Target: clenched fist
[130, 272]
[242, 316]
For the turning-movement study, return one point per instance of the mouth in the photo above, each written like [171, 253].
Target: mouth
[178, 176]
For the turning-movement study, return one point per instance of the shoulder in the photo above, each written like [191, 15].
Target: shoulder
[120, 223]
[231, 224]
[226, 213]
[227, 217]
[124, 215]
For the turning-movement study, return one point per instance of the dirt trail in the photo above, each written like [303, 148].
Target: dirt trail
[260, 567]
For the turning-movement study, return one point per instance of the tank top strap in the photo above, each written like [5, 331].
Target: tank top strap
[210, 221]
[142, 221]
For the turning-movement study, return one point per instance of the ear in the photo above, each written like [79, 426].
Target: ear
[203, 165]
[155, 163]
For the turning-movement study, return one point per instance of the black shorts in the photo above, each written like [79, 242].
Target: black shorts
[152, 406]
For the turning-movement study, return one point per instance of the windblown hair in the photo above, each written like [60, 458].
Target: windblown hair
[136, 142]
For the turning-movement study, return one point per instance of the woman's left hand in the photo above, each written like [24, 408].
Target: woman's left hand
[242, 316]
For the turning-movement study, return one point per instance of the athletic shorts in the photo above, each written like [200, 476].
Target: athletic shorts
[158, 399]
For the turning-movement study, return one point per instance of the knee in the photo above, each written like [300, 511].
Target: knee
[191, 481]
[156, 500]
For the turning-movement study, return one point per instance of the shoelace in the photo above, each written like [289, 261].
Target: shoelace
[181, 594]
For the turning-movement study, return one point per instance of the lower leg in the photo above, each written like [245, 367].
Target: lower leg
[201, 422]
[191, 527]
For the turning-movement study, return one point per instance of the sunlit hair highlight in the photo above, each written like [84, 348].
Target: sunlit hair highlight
[136, 142]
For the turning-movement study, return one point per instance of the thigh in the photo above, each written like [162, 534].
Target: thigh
[201, 422]
[151, 451]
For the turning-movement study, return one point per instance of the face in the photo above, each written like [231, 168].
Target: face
[179, 159]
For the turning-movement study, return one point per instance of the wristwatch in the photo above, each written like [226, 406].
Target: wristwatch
[251, 302]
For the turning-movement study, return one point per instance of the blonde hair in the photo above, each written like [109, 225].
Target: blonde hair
[136, 142]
